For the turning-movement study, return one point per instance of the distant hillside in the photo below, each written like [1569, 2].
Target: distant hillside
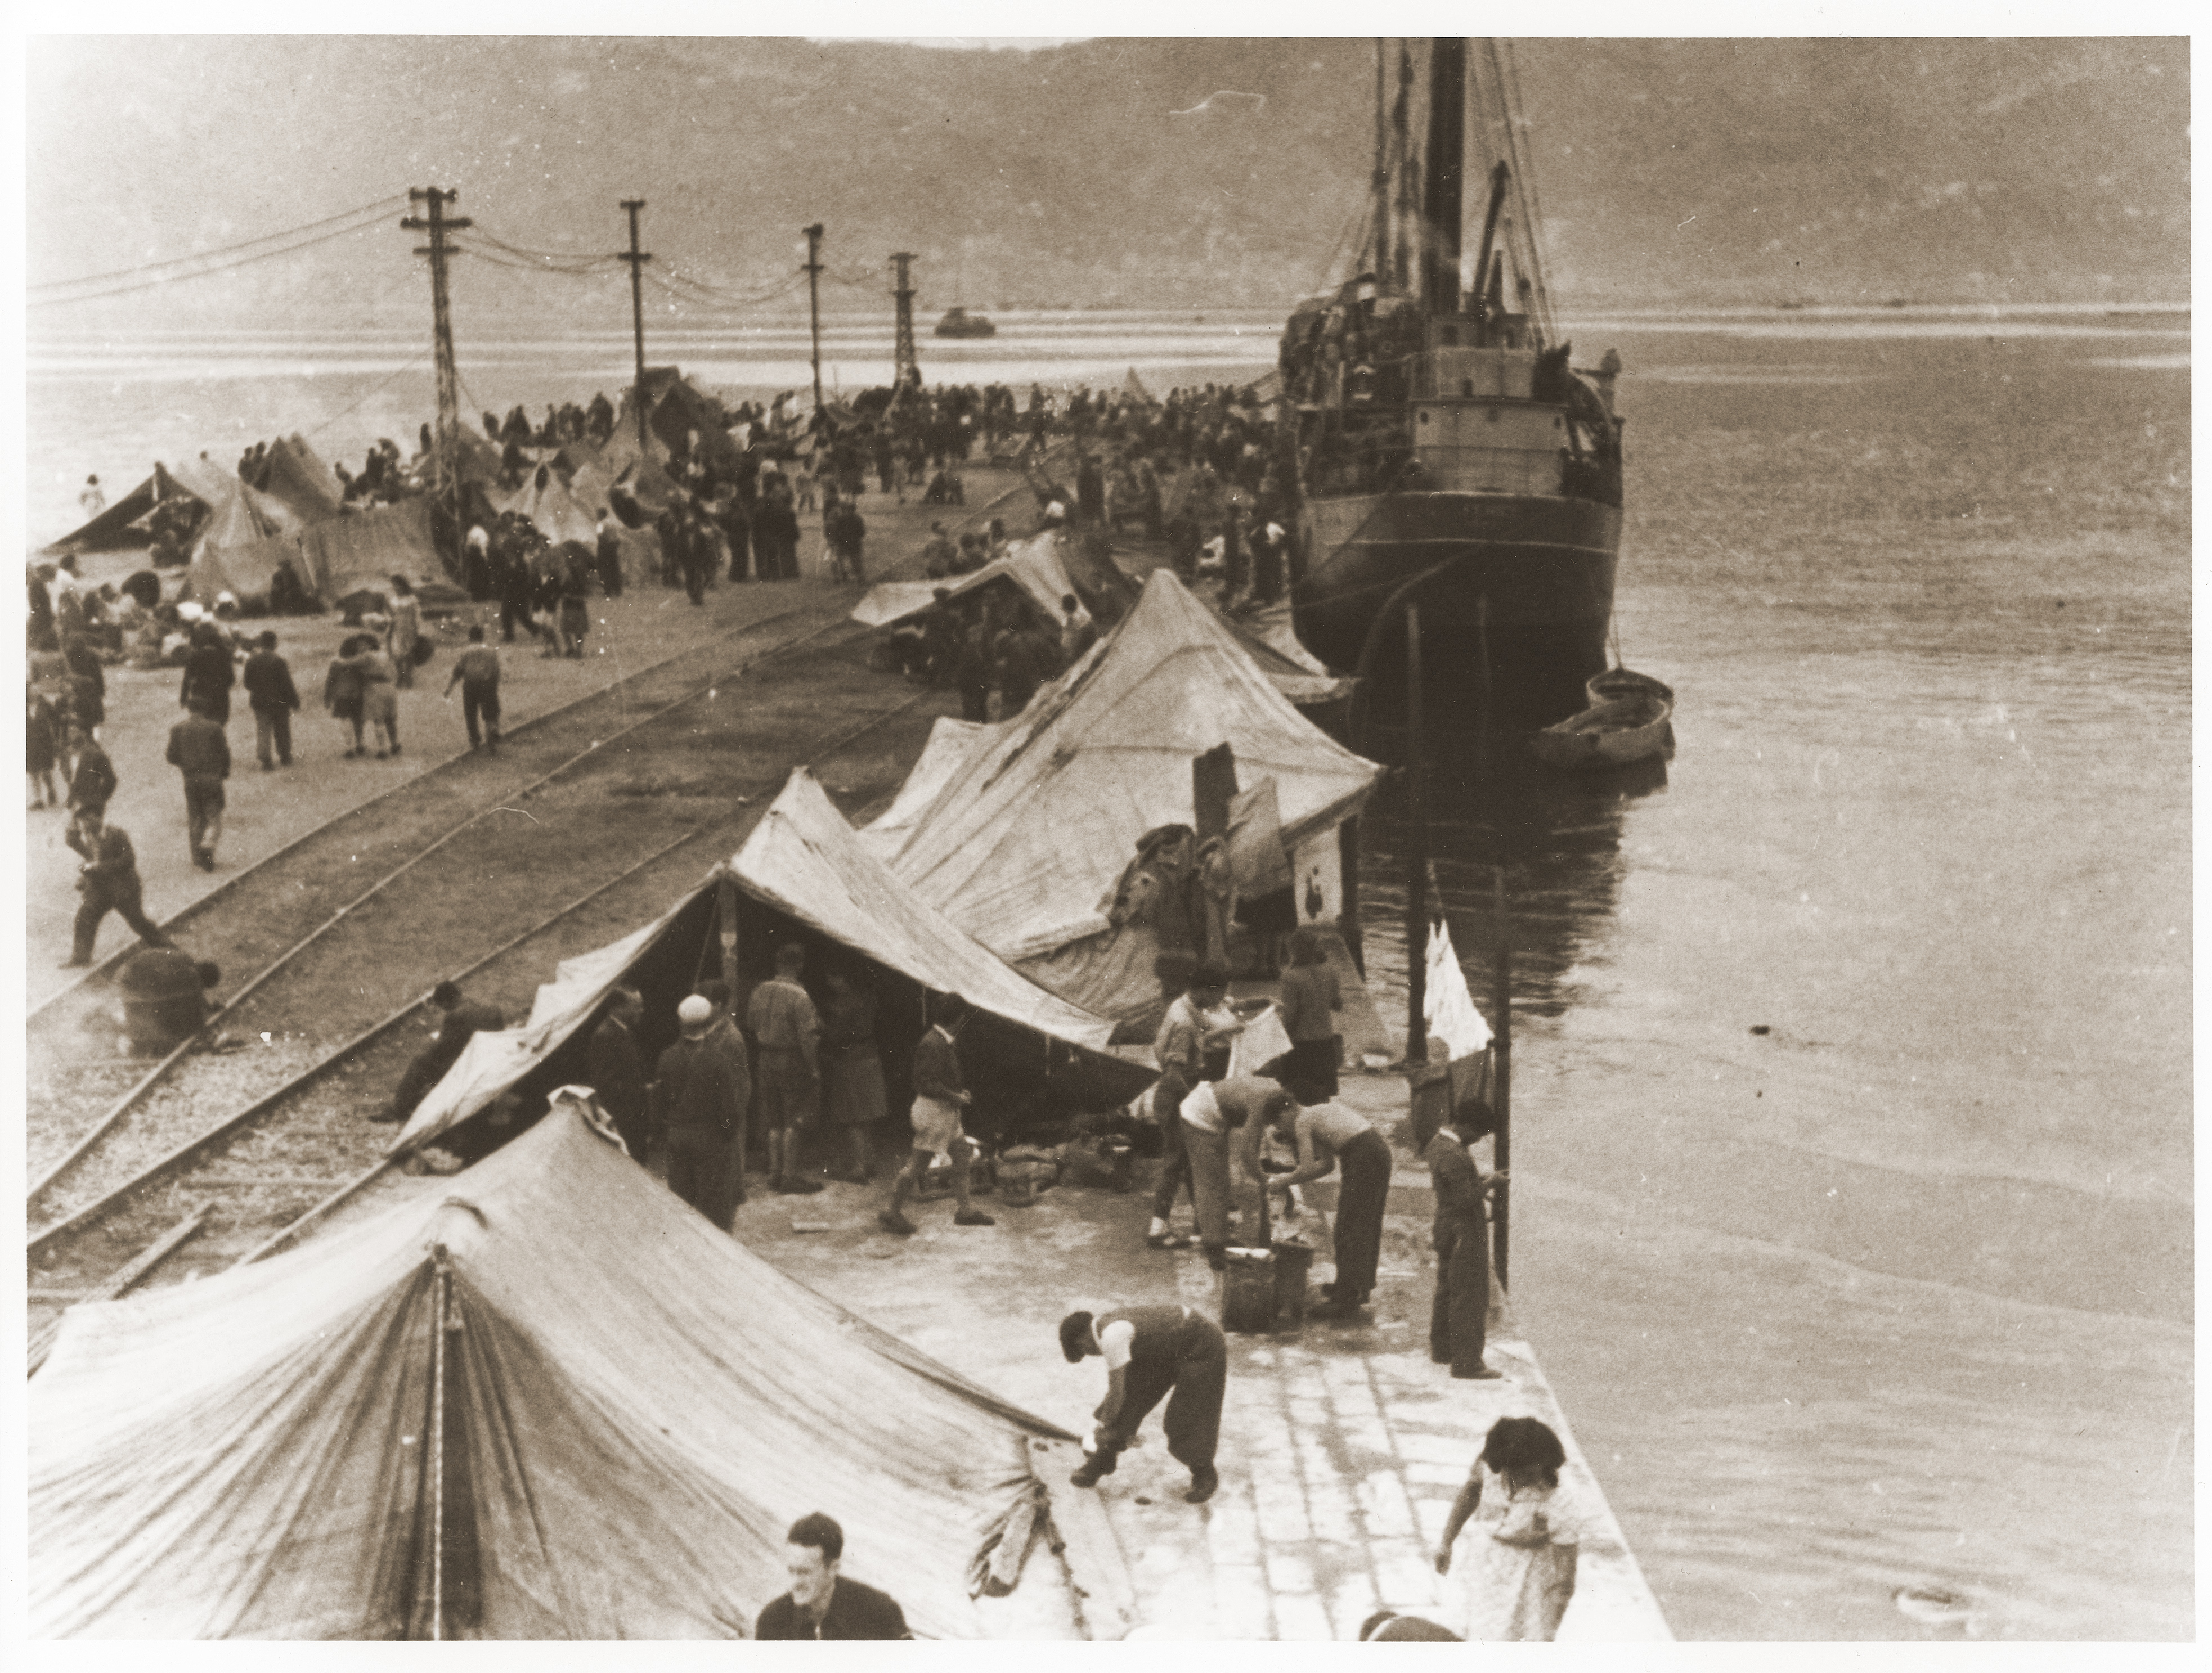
[1719, 171]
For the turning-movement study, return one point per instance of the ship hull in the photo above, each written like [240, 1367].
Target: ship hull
[1512, 625]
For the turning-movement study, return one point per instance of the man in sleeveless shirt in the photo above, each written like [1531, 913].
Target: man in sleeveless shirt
[1324, 1133]
[1152, 1352]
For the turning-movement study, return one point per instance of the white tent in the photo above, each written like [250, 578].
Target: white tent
[805, 860]
[1023, 842]
[632, 1408]
[1033, 565]
[555, 512]
[951, 743]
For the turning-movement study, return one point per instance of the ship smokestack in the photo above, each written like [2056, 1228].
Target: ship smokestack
[1441, 178]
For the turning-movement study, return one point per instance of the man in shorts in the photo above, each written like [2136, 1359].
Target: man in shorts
[939, 1095]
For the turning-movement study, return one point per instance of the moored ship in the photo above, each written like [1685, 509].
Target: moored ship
[1444, 450]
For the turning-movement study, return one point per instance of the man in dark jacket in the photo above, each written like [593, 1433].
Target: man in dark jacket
[462, 1021]
[198, 749]
[108, 879]
[695, 1102]
[822, 1602]
[93, 782]
[607, 556]
[614, 1065]
[209, 675]
[273, 700]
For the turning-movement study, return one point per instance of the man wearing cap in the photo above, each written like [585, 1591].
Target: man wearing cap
[724, 1037]
[939, 1094]
[108, 879]
[695, 1102]
[786, 1029]
[1152, 1352]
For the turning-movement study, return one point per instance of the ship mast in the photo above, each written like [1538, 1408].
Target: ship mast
[1379, 186]
[1444, 164]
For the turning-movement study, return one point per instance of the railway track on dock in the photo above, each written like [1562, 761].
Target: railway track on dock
[247, 1146]
[491, 868]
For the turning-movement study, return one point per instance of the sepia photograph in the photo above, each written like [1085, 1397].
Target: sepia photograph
[1238, 836]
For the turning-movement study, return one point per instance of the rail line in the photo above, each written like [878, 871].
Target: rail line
[208, 1145]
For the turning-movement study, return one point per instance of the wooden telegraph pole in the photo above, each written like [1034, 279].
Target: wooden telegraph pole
[436, 222]
[1417, 851]
[905, 366]
[637, 259]
[814, 302]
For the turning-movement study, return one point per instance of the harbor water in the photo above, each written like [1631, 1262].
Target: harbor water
[1852, 1092]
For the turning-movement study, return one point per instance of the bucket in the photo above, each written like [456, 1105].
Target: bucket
[1017, 1186]
[1248, 1291]
[1293, 1264]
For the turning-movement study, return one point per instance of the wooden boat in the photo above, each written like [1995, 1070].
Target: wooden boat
[1631, 718]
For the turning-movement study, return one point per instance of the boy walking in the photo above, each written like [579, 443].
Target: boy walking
[198, 749]
[274, 698]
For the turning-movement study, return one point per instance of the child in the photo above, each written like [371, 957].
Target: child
[1520, 1576]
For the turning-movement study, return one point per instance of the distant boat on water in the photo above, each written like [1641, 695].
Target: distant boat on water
[959, 323]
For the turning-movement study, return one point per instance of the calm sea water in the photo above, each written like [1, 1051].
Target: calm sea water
[1897, 1293]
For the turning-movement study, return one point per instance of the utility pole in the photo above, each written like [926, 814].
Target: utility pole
[814, 302]
[903, 362]
[637, 259]
[1379, 186]
[436, 223]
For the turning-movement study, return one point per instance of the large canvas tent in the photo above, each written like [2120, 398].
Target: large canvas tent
[297, 475]
[361, 551]
[1025, 838]
[554, 511]
[632, 1407]
[804, 861]
[1033, 565]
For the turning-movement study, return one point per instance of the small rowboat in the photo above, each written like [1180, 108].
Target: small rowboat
[1631, 718]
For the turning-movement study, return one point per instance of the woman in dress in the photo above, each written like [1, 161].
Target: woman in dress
[851, 1071]
[1519, 1575]
[406, 628]
[380, 701]
[342, 688]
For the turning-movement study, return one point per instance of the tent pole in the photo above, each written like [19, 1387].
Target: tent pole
[443, 1281]
[726, 907]
[1417, 850]
[1502, 1064]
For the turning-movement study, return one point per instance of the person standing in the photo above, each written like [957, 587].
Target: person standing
[379, 700]
[1077, 631]
[209, 675]
[1191, 1046]
[723, 1038]
[475, 672]
[87, 684]
[460, 1022]
[941, 1094]
[574, 622]
[607, 556]
[92, 500]
[1460, 1312]
[786, 1028]
[614, 1064]
[821, 1603]
[108, 880]
[273, 700]
[41, 750]
[406, 628]
[1310, 1001]
[198, 750]
[1325, 1133]
[694, 1105]
[1151, 1353]
[1520, 1576]
[971, 673]
[853, 1099]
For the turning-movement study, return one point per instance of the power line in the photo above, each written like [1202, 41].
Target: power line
[201, 273]
[380, 207]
